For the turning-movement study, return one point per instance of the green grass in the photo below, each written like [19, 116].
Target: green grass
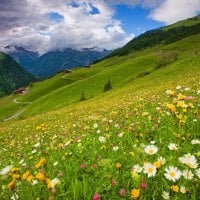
[92, 147]
[62, 90]
[7, 107]
[188, 22]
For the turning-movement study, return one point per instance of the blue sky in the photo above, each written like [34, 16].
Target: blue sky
[135, 19]
[47, 25]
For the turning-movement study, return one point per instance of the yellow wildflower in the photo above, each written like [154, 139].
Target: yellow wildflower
[135, 175]
[25, 175]
[190, 105]
[135, 193]
[13, 170]
[118, 165]
[171, 92]
[175, 188]
[175, 101]
[30, 178]
[180, 96]
[11, 185]
[40, 176]
[179, 116]
[157, 164]
[181, 104]
[48, 182]
[16, 176]
[40, 163]
[171, 107]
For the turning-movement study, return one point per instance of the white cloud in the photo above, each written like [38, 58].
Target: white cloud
[27, 23]
[171, 11]
[167, 11]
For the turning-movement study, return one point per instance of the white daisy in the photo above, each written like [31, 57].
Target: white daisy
[183, 189]
[95, 125]
[115, 148]
[116, 125]
[187, 174]
[34, 182]
[67, 143]
[5, 170]
[172, 173]
[121, 134]
[195, 141]
[151, 149]
[165, 195]
[37, 145]
[187, 89]
[14, 196]
[136, 168]
[54, 182]
[161, 160]
[178, 87]
[149, 169]
[197, 172]
[34, 151]
[98, 131]
[189, 160]
[102, 139]
[142, 145]
[173, 147]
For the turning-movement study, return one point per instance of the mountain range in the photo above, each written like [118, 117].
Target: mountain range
[54, 61]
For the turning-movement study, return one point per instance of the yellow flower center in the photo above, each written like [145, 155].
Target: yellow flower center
[151, 151]
[150, 170]
[172, 174]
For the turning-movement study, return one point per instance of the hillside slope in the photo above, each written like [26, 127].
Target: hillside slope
[138, 140]
[23, 57]
[165, 35]
[63, 90]
[125, 142]
[12, 75]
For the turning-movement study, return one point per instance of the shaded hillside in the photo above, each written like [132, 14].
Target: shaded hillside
[165, 35]
[12, 75]
[24, 57]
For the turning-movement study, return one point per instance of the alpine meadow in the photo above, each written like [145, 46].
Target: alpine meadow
[125, 126]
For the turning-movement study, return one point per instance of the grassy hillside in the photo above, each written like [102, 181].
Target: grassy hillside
[139, 140]
[165, 35]
[63, 90]
[188, 22]
[125, 71]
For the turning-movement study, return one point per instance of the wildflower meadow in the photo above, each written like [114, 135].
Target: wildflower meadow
[137, 149]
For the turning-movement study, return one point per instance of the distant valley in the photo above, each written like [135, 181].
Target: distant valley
[53, 62]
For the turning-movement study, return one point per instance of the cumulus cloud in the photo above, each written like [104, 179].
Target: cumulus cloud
[45, 25]
[171, 11]
[167, 11]
[57, 24]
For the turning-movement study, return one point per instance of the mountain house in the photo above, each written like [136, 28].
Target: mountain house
[67, 71]
[22, 90]
[87, 66]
